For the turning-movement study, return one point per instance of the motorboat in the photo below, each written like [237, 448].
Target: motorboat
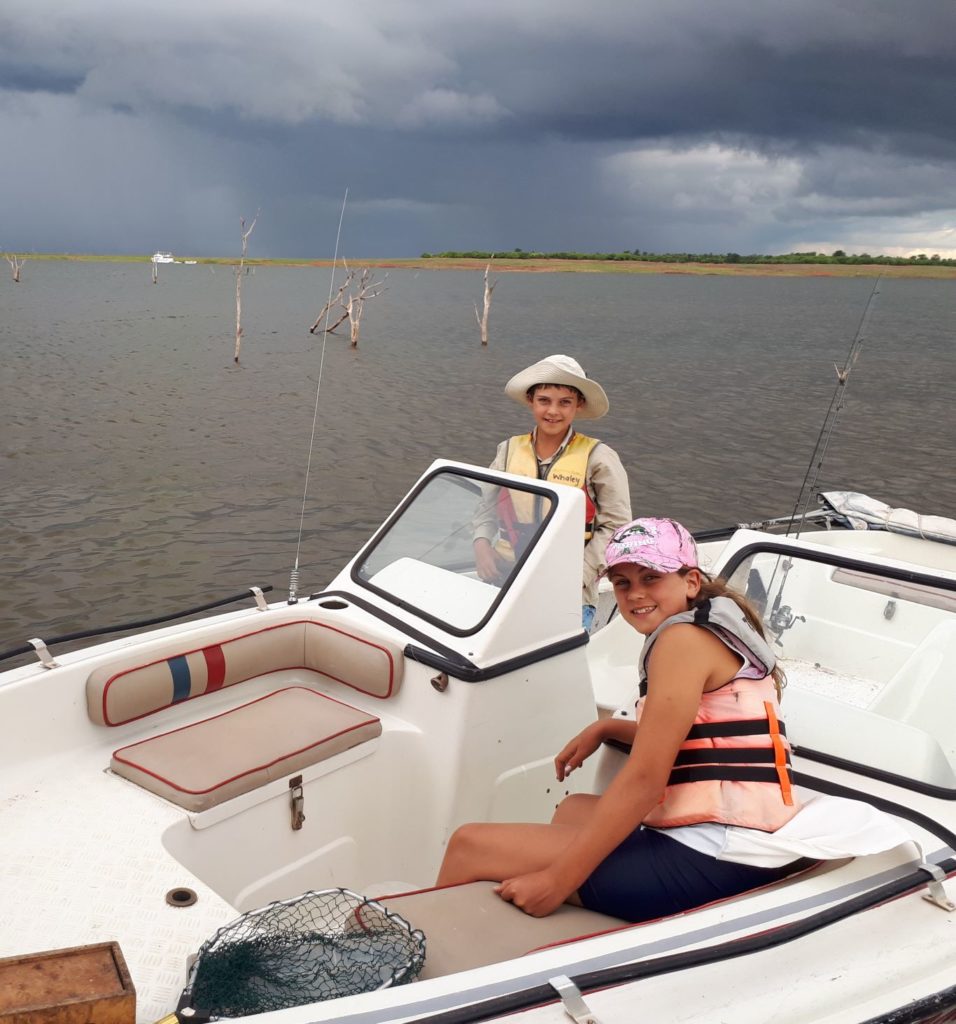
[163, 257]
[160, 785]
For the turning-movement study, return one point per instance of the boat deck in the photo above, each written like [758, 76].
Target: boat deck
[116, 883]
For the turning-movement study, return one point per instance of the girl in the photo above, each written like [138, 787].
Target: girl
[709, 758]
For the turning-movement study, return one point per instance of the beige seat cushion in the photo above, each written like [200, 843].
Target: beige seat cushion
[203, 764]
[469, 926]
[126, 688]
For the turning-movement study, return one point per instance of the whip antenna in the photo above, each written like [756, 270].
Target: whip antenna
[294, 574]
[812, 474]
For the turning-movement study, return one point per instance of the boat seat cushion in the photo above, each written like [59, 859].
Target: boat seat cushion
[470, 926]
[129, 687]
[203, 764]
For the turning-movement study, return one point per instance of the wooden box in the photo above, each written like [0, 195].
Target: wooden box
[82, 985]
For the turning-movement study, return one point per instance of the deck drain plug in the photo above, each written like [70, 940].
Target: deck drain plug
[181, 897]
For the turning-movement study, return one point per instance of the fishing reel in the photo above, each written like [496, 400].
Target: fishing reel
[780, 620]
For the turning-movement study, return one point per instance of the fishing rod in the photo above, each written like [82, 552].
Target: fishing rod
[837, 401]
[723, 532]
[294, 573]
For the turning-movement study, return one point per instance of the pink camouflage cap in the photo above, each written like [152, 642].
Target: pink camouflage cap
[661, 544]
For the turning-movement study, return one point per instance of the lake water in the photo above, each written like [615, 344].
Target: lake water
[142, 472]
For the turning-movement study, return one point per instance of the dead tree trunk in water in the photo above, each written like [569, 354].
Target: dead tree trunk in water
[239, 269]
[15, 264]
[482, 318]
[351, 303]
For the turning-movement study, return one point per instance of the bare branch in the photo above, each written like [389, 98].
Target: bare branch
[242, 259]
[483, 317]
[337, 301]
[350, 298]
[16, 262]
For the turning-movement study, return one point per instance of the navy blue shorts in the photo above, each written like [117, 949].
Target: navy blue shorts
[651, 875]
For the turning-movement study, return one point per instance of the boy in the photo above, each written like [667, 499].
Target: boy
[558, 392]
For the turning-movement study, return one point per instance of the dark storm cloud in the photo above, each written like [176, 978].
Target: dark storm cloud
[30, 79]
[745, 125]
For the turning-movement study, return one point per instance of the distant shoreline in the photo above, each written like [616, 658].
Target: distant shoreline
[556, 266]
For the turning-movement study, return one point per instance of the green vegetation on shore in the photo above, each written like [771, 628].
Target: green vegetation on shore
[838, 257]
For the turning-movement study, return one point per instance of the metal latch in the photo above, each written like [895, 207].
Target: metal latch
[297, 802]
[937, 894]
[260, 599]
[574, 1005]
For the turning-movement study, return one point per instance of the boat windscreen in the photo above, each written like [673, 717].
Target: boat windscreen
[868, 652]
[453, 548]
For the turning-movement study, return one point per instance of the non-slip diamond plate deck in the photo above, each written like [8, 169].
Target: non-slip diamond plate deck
[108, 832]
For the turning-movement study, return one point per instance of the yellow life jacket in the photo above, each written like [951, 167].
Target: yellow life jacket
[520, 512]
[734, 765]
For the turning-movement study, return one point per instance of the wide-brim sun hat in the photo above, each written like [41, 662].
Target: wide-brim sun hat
[564, 370]
[661, 544]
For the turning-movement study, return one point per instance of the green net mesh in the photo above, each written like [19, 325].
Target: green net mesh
[320, 945]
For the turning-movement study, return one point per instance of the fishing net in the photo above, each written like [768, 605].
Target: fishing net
[320, 945]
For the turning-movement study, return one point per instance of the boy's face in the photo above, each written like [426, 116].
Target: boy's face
[554, 408]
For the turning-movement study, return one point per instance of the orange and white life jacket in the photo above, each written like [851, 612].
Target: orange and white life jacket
[520, 512]
[734, 765]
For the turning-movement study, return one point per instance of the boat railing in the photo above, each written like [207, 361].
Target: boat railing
[125, 627]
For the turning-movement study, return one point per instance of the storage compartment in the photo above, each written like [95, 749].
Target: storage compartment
[79, 985]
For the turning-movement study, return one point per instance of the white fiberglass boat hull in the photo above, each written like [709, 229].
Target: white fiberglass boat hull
[469, 690]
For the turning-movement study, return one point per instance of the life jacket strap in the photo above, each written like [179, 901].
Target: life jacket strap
[782, 758]
[728, 755]
[727, 773]
[744, 727]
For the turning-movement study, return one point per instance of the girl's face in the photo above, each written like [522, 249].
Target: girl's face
[646, 597]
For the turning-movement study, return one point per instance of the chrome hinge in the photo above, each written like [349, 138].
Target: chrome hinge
[937, 894]
[297, 802]
[574, 1005]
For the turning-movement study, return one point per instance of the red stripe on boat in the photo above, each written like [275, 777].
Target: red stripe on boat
[215, 667]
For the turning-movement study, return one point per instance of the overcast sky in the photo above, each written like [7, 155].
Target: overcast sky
[663, 125]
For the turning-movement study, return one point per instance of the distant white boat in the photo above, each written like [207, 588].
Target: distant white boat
[190, 263]
[163, 257]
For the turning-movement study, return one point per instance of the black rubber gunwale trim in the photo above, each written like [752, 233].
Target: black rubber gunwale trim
[928, 1008]
[543, 994]
[838, 560]
[479, 675]
[879, 774]
[435, 654]
[139, 624]
[443, 650]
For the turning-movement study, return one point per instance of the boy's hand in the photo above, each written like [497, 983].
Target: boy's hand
[489, 564]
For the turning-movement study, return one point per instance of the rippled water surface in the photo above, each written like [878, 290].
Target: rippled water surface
[142, 472]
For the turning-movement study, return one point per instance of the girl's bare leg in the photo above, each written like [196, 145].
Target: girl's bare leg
[575, 810]
[490, 852]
